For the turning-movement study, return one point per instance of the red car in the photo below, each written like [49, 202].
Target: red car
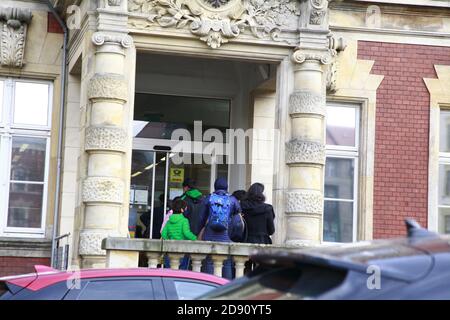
[108, 284]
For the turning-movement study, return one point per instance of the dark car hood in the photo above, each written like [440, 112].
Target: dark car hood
[400, 259]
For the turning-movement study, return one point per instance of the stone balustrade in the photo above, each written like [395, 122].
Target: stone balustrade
[125, 253]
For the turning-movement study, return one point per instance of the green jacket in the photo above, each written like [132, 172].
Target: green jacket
[177, 228]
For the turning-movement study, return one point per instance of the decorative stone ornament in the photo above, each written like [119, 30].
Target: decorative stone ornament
[218, 21]
[304, 201]
[318, 12]
[217, 3]
[14, 23]
[306, 102]
[298, 151]
[103, 189]
[91, 243]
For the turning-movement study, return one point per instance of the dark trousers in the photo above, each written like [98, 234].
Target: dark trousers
[228, 271]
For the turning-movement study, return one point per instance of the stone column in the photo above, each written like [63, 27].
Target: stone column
[305, 152]
[107, 135]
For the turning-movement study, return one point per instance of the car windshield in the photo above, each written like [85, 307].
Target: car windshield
[282, 283]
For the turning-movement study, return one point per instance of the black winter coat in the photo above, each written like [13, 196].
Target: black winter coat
[259, 218]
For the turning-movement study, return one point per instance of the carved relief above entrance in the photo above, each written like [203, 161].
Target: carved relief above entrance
[218, 21]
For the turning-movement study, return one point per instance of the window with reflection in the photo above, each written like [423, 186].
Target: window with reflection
[444, 173]
[158, 116]
[24, 143]
[341, 174]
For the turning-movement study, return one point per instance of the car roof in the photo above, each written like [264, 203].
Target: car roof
[404, 259]
[44, 279]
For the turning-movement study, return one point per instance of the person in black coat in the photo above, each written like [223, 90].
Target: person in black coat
[259, 216]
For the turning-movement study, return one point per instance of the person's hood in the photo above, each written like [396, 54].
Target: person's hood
[175, 218]
[194, 194]
[253, 207]
[221, 184]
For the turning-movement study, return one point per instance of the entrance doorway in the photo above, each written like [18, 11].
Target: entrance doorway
[158, 169]
[174, 93]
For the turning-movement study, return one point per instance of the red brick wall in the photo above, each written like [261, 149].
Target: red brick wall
[20, 265]
[402, 128]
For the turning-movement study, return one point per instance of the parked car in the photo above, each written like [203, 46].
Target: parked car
[108, 284]
[416, 267]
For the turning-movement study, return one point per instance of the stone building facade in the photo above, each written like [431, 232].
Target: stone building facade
[346, 101]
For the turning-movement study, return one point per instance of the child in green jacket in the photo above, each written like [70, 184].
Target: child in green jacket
[177, 228]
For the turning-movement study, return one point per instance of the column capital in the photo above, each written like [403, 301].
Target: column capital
[120, 39]
[299, 56]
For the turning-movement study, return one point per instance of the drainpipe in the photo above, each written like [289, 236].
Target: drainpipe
[61, 126]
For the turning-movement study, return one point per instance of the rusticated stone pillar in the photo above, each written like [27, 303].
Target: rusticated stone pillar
[305, 152]
[107, 135]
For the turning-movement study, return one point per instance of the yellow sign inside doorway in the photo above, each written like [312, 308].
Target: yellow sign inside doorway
[176, 175]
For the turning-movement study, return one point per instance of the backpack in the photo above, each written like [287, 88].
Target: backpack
[219, 212]
[195, 207]
[238, 229]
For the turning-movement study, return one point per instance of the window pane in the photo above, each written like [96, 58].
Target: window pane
[338, 221]
[28, 159]
[339, 175]
[1, 100]
[190, 290]
[31, 104]
[444, 135]
[444, 220]
[341, 126]
[25, 205]
[118, 290]
[444, 184]
[158, 116]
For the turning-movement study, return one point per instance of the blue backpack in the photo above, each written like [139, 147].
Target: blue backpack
[219, 212]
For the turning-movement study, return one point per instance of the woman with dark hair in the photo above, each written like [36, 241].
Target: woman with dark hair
[259, 216]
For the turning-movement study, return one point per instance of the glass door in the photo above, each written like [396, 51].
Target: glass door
[147, 193]
[156, 180]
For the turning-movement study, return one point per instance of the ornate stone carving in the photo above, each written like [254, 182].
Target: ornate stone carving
[307, 102]
[217, 3]
[91, 243]
[336, 45]
[318, 11]
[106, 138]
[100, 38]
[100, 189]
[220, 20]
[298, 151]
[108, 86]
[14, 23]
[114, 3]
[304, 201]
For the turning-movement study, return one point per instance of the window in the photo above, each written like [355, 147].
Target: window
[187, 290]
[123, 289]
[444, 173]
[24, 153]
[341, 173]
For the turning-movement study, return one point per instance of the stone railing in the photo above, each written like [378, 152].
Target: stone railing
[129, 253]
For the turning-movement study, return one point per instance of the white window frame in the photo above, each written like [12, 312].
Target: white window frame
[444, 159]
[8, 130]
[347, 152]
